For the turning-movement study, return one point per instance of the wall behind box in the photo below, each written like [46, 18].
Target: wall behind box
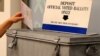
[10, 8]
[3, 16]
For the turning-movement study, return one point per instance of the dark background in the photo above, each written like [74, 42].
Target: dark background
[1, 5]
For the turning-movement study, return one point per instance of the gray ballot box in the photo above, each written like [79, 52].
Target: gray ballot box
[48, 43]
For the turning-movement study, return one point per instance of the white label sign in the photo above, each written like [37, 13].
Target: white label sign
[73, 13]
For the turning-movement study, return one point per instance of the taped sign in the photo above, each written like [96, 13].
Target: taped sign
[67, 15]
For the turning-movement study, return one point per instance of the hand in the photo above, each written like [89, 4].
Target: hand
[17, 17]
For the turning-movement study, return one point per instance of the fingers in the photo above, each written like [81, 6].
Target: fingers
[17, 17]
[18, 14]
[20, 18]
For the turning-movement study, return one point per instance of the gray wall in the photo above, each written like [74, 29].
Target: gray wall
[94, 24]
[38, 11]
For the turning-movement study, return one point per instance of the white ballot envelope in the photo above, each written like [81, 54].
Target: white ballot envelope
[27, 14]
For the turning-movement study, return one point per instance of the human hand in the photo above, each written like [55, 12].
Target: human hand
[17, 17]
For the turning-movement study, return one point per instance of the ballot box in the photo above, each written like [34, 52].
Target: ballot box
[49, 43]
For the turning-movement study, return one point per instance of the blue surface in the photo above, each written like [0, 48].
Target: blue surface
[64, 28]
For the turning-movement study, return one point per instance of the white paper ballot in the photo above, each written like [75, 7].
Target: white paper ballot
[27, 14]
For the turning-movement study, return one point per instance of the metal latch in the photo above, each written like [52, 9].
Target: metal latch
[92, 50]
[14, 41]
[57, 49]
